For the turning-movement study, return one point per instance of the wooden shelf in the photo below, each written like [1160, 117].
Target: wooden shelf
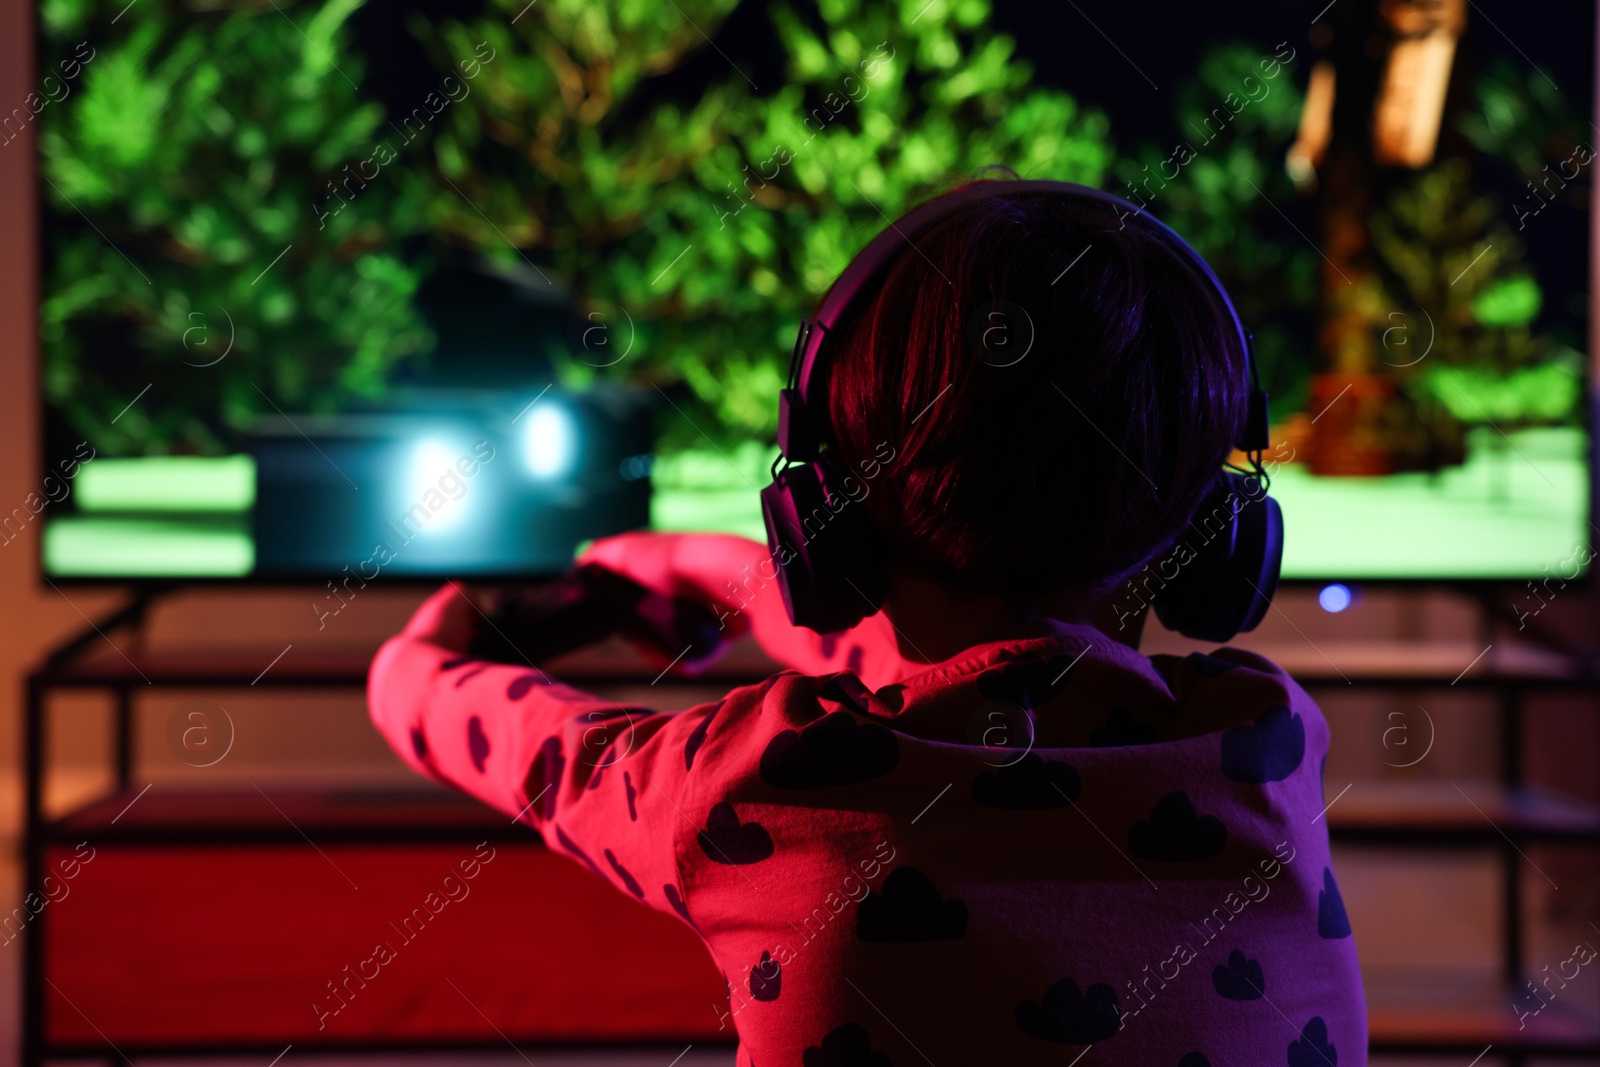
[1326, 664]
[1460, 812]
[167, 814]
[1434, 813]
[1445, 1012]
[611, 663]
[1414, 664]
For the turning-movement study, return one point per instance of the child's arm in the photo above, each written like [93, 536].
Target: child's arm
[602, 781]
[739, 579]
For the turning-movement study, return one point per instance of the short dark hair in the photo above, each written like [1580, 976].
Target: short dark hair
[1074, 463]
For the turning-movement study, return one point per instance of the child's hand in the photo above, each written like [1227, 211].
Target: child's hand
[691, 566]
[448, 618]
[592, 602]
[737, 576]
[684, 566]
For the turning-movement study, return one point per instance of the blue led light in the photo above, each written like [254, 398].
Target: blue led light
[434, 488]
[1335, 598]
[549, 441]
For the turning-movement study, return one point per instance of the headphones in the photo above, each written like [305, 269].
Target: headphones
[831, 558]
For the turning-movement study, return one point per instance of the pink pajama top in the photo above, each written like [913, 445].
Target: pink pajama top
[1053, 850]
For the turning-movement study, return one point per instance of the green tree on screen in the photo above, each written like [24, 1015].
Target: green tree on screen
[717, 222]
[193, 152]
[199, 145]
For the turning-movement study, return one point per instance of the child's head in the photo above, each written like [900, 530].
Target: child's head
[1060, 386]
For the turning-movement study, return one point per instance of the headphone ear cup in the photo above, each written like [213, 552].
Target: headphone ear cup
[1226, 583]
[827, 552]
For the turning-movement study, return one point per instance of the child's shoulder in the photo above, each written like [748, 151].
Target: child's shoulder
[1227, 687]
[1227, 662]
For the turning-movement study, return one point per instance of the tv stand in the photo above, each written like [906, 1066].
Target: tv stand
[1503, 816]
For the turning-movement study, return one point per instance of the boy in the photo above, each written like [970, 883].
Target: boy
[978, 827]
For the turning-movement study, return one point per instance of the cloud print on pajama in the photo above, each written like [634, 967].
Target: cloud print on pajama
[1010, 920]
[1268, 750]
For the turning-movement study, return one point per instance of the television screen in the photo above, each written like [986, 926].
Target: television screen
[437, 289]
